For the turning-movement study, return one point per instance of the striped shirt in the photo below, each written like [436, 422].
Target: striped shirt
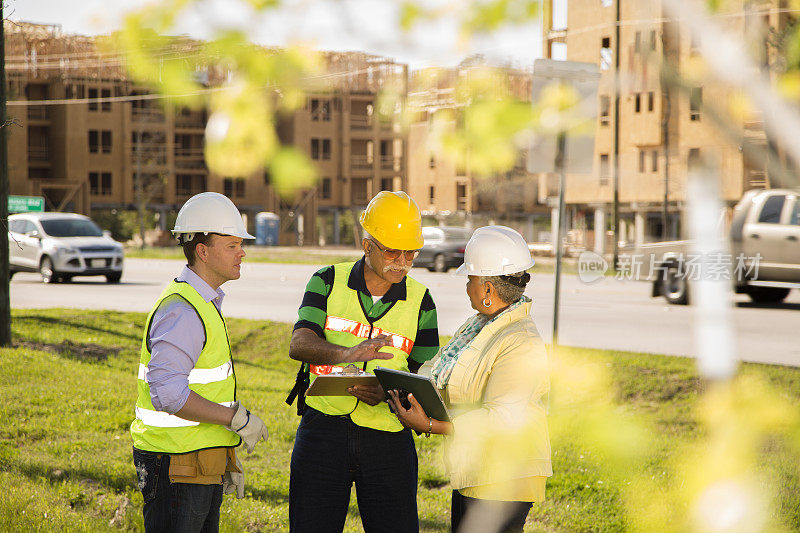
[313, 310]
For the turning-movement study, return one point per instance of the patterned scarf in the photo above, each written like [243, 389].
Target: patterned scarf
[452, 350]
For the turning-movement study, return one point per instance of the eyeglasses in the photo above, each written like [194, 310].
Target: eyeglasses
[392, 255]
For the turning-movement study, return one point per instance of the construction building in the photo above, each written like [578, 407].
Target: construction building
[98, 140]
[663, 128]
[447, 190]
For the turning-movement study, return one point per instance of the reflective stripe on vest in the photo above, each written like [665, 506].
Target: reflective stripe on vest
[162, 419]
[212, 377]
[200, 375]
[336, 323]
[346, 325]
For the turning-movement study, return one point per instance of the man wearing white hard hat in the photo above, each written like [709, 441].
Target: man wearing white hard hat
[188, 420]
[493, 374]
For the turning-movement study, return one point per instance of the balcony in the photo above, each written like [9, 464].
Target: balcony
[144, 114]
[360, 122]
[194, 121]
[149, 156]
[755, 179]
[38, 112]
[190, 158]
[390, 162]
[38, 154]
[361, 162]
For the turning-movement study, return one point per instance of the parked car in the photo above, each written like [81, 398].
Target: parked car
[62, 245]
[765, 229]
[443, 248]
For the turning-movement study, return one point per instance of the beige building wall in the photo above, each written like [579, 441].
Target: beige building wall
[435, 182]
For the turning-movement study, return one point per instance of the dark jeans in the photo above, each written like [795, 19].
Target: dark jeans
[487, 516]
[330, 454]
[174, 507]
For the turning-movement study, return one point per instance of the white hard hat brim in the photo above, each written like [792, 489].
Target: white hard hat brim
[240, 234]
[464, 270]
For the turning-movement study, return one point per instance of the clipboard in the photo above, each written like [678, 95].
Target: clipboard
[337, 383]
[421, 387]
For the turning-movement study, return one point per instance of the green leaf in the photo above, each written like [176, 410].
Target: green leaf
[410, 14]
[292, 170]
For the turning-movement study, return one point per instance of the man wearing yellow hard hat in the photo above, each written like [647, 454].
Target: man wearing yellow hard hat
[369, 313]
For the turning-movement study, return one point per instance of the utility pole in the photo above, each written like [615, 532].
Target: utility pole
[666, 111]
[665, 233]
[5, 299]
[560, 167]
[139, 186]
[616, 134]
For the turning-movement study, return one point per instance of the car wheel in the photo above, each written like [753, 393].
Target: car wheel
[114, 278]
[65, 279]
[439, 263]
[47, 271]
[674, 286]
[767, 294]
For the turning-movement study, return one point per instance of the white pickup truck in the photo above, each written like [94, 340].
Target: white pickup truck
[764, 251]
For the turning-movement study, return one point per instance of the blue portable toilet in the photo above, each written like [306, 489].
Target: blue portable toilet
[267, 228]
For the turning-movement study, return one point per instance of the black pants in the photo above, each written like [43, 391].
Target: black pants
[487, 516]
[174, 507]
[330, 454]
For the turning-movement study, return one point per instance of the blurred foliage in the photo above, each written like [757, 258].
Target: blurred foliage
[123, 224]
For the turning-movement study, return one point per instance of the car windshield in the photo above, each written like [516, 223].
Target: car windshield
[71, 227]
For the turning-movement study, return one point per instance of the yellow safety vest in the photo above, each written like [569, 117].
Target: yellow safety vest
[212, 377]
[347, 325]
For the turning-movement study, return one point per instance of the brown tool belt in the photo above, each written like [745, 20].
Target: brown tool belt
[203, 467]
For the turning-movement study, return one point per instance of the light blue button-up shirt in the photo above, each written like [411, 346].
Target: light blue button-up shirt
[176, 338]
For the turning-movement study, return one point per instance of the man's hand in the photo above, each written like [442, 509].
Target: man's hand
[248, 426]
[369, 394]
[368, 350]
[234, 481]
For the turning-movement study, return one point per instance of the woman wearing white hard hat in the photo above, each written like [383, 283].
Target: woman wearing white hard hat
[493, 376]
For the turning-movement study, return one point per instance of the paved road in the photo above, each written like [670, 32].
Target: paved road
[607, 314]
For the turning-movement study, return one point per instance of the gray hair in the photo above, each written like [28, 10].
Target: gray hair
[508, 290]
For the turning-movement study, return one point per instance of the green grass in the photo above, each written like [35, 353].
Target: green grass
[257, 255]
[68, 387]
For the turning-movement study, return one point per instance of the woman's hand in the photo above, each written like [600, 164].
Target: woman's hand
[414, 417]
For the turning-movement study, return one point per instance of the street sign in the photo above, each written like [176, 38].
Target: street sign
[566, 142]
[25, 204]
[577, 121]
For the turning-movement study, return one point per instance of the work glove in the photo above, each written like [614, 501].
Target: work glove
[234, 481]
[248, 426]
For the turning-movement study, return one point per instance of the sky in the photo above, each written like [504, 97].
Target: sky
[341, 25]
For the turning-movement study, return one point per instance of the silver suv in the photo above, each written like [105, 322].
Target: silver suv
[60, 246]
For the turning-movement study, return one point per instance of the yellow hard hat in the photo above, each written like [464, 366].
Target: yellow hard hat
[393, 218]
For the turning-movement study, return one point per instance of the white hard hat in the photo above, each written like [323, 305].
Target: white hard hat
[495, 251]
[209, 212]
